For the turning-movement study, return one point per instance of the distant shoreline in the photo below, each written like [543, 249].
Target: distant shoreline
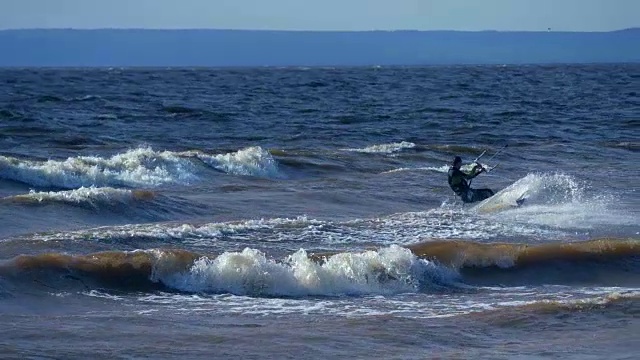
[303, 67]
[636, 29]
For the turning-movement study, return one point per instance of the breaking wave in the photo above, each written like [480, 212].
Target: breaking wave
[248, 272]
[93, 196]
[388, 270]
[142, 167]
[138, 167]
[252, 161]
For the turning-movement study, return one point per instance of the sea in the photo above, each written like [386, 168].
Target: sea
[304, 213]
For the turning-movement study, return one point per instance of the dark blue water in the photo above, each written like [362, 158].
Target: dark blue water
[252, 212]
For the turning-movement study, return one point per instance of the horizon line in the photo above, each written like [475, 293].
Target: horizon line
[307, 31]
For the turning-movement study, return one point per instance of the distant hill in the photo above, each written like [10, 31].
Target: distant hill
[124, 47]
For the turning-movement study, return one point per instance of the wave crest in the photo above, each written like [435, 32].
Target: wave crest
[85, 195]
[137, 167]
[385, 148]
[141, 167]
[388, 270]
[251, 161]
[249, 272]
[461, 254]
[602, 261]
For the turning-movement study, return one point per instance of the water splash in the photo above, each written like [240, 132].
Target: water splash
[556, 201]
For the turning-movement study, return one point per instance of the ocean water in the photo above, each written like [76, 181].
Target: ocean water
[304, 213]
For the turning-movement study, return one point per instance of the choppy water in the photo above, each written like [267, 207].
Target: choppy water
[304, 213]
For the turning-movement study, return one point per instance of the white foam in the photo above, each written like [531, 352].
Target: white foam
[386, 271]
[444, 223]
[102, 295]
[204, 234]
[385, 148]
[576, 297]
[402, 228]
[440, 169]
[137, 167]
[251, 161]
[84, 195]
[141, 167]
[422, 305]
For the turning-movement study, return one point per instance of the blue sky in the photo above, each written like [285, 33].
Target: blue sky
[565, 15]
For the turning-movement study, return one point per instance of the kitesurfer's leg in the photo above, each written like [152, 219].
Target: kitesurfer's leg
[467, 196]
[480, 194]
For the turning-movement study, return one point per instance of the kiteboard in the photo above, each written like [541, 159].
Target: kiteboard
[501, 201]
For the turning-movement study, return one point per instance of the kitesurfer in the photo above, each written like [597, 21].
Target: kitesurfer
[459, 182]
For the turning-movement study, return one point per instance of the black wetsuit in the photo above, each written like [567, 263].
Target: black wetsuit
[459, 183]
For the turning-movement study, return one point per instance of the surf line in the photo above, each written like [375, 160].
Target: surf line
[459, 253]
